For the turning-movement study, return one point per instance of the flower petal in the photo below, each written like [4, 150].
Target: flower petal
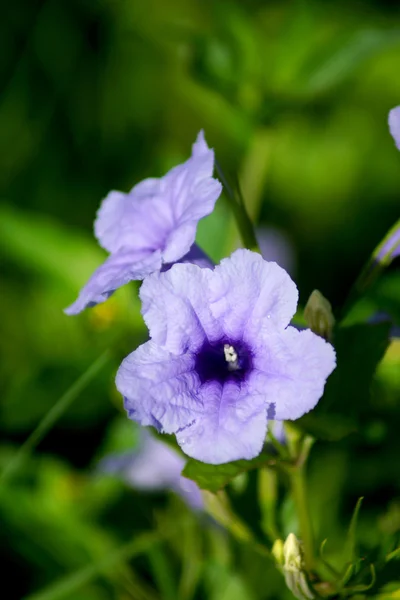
[197, 256]
[290, 369]
[191, 189]
[159, 387]
[394, 125]
[116, 271]
[249, 294]
[232, 426]
[175, 308]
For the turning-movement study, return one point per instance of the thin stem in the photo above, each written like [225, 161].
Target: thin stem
[54, 414]
[299, 448]
[300, 499]
[242, 218]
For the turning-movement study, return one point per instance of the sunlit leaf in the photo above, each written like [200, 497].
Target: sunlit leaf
[215, 477]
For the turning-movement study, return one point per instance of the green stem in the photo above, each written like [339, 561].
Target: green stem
[299, 448]
[300, 499]
[242, 218]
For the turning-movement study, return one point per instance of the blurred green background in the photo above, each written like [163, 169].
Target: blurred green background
[97, 95]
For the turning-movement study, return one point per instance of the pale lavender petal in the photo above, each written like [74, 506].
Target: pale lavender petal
[179, 242]
[248, 294]
[394, 125]
[153, 467]
[390, 247]
[190, 187]
[116, 271]
[291, 368]
[222, 360]
[159, 387]
[156, 216]
[175, 308]
[233, 424]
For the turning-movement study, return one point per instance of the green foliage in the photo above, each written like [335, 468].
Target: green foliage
[347, 395]
[215, 477]
[294, 98]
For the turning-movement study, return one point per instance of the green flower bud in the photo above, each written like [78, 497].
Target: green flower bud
[319, 316]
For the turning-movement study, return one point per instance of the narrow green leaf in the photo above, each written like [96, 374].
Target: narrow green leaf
[54, 414]
[71, 583]
[393, 555]
[215, 477]
[350, 545]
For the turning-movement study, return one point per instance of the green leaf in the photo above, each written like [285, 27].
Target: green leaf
[350, 546]
[395, 555]
[215, 477]
[44, 245]
[359, 350]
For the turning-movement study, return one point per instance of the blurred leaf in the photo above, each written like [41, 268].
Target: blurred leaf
[345, 57]
[47, 247]
[395, 555]
[215, 477]
[359, 349]
[349, 552]
[390, 591]
[330, 427]
[54, 414]
[71, 583]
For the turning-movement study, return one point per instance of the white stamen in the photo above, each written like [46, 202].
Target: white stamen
[231, 357]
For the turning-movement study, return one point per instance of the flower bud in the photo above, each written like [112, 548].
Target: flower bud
[319, 316]
[290, 560]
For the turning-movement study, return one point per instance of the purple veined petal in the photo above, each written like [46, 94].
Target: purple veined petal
[291, 369]
[162, 213]
[175, 308]
[116, 271]
[394, 125]
[222, 360]
[191, 190]
[248, 294]
[159, 388]
[156, 216]
[179, 242]
[232, 426]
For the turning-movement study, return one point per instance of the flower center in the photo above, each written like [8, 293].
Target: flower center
[223, 360]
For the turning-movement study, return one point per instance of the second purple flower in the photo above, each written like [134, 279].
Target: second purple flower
[153, 225]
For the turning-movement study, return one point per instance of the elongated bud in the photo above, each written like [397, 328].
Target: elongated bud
[277, 552]
[290, 560]
[319, 316]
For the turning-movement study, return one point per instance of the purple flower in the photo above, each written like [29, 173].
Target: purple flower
[394, 125]
[155, 467]
[154, 224]
[222, 359]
